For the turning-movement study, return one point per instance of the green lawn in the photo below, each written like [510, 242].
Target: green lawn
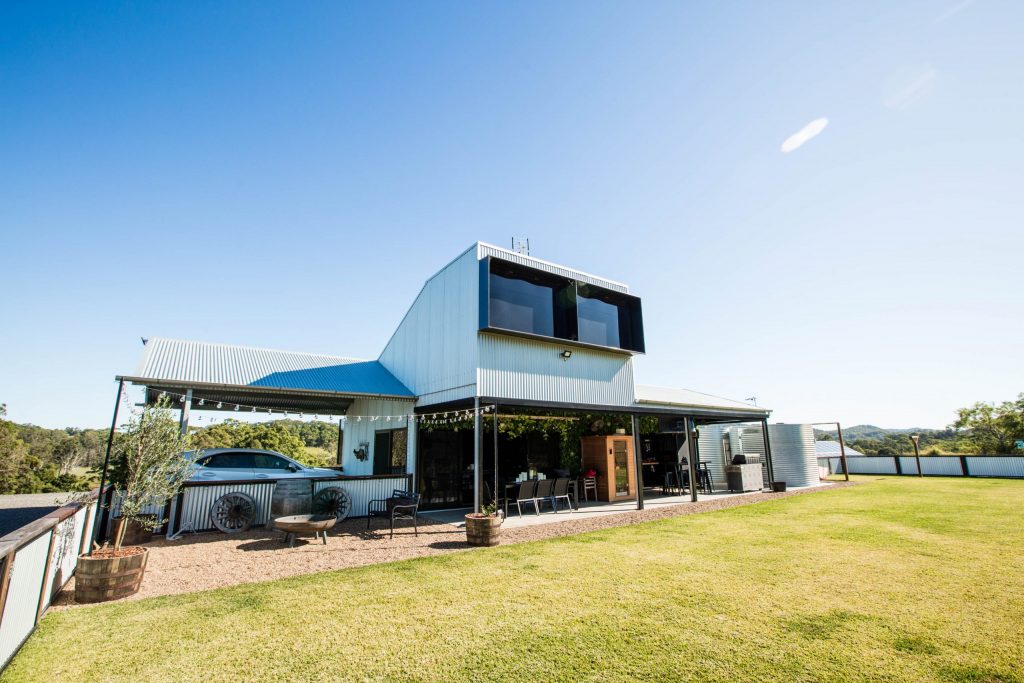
[897, 579]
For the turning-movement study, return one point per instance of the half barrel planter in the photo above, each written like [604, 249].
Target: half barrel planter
[99, 579]
[482, 530]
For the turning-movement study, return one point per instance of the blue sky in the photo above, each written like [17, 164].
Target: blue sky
[288, 175]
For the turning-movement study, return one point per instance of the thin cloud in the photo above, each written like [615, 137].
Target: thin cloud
[797, 139]
[955, 9]
[906, 93]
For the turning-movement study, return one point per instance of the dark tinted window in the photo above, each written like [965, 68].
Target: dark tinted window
[526, 300]
[599, 321]
[263, 461]
[230, 461]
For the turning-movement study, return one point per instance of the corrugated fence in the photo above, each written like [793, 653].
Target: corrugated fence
[1000, 466]
[36, 562]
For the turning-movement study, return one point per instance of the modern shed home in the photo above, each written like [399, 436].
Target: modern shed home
[495, 337]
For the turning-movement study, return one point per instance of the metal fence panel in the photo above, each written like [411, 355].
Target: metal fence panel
[66, 542]
[19, 616]
[195, 508]
[941, 466]
[908, 465]
[1009, 466]
[872, 464]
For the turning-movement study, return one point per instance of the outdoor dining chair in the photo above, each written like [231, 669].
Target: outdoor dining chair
[545, 493]
[527, 493]
[562, 491]
[401, 505]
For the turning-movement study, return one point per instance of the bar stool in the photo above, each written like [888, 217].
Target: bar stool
[707, 483]
[668, 486]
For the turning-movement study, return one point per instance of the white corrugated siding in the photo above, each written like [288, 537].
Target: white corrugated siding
[433, 351]
[869, 464]
[362, 491]
[19, 616]
[529, 370]
[195, 511]
[712, 452]
[485, 250]
[356, 431]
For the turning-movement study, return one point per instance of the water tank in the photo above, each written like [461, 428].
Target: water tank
[794, 458]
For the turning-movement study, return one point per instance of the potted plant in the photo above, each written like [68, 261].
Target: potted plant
[147, 471]
[484, 528]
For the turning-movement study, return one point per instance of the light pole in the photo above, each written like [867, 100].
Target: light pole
[916, 438]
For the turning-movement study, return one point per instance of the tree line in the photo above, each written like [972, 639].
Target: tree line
[35, 459]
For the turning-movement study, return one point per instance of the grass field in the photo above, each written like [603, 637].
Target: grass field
[898, 579]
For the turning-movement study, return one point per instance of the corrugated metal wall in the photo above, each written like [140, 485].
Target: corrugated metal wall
[1009, 466]
[66, 543]
[363, 491]
[195, 510]
[199, 499]
[515, 368]
[19, 616]
[949, 467]
[362, 431]
[712, 452]
[433, 351]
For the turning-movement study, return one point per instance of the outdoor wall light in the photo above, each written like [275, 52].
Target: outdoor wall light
[566, 355]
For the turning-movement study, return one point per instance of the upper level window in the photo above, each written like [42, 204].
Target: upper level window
[525, 300]
[518, 299]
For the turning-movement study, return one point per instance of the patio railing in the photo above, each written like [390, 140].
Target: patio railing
[36, 562]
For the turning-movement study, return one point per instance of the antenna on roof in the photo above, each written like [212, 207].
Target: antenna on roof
[521, 246]
[144, 340]
[752, 399]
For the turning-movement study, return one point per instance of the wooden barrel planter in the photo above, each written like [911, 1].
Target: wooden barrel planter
[104, 576]
[482, 530]
[291, 497]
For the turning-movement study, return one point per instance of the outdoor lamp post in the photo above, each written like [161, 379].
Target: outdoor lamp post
[916, 438]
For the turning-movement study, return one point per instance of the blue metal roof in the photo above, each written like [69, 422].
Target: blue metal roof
[190, 362]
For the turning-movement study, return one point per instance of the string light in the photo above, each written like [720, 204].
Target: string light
[446, 417]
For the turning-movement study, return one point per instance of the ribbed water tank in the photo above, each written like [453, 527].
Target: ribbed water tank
[794, 459]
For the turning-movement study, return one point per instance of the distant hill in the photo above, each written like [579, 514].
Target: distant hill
[873, 432]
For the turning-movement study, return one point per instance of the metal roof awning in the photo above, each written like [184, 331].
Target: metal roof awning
[246, 377]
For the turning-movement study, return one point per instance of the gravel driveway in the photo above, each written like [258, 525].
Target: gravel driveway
[214, 560]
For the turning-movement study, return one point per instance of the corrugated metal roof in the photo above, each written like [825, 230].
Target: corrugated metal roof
[177, 360]
[827, 449]
[667, 396]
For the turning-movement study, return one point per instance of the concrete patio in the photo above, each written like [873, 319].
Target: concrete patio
[653, 500]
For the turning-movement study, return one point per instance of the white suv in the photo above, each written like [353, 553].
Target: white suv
[240, 464]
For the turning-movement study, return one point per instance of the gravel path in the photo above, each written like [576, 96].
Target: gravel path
[213, 560]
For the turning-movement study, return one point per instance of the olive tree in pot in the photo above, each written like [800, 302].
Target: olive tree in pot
[484, 528]
[147, 471]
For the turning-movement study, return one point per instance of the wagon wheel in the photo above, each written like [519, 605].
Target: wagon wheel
[233, 512]
[332, 500]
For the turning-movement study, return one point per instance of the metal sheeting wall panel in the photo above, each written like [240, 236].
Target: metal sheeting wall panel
[1008, 466]
[712, 452]
[433, 351]
[945, 466]
[356, 431]
[497, 252]
[869, 464]
[19, 616]
[908, 465]
[66, 542]
[362, 491]
[529, 370]
[195, 510]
